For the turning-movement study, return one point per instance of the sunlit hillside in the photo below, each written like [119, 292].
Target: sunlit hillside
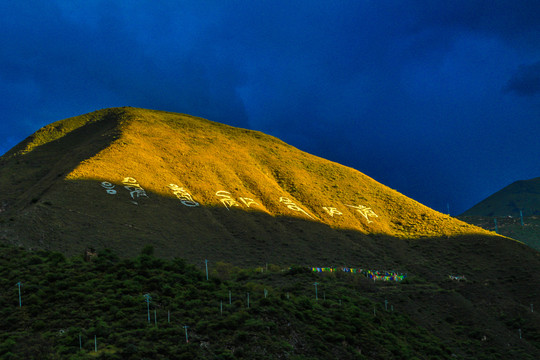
[124, 177]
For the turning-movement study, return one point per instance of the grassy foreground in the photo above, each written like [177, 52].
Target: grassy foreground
[70, 306]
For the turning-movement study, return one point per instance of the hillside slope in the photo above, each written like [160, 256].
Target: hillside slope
[248, 314]
[521, 195]
[126, 177]
[503, 211]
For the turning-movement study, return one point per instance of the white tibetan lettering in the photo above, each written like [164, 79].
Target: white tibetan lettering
[226, 199]
[108, 187]
[183, 195]
[332, 211]
[293, 206]
[135, 190]
[248, 201]
[365, 211]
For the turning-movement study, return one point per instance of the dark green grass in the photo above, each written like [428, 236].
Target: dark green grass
[528, 233]
[67, 298]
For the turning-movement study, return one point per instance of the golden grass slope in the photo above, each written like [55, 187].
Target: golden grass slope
[160, 148]
[258, 198]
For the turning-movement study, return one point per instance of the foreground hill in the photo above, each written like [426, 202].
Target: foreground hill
[72, 309]
[125, 177]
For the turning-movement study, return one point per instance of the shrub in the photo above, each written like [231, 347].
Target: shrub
[147, 250]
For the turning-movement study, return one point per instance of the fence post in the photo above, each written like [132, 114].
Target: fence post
[148, 298]
[186, 327]
[19, 284]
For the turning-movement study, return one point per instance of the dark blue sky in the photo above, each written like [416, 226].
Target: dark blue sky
[439, 100]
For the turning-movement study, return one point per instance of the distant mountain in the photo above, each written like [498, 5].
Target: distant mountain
[124, 177]
[521, 195]
[502, 211]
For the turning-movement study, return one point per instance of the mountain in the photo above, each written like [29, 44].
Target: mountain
[513, 211]
[123, 178]
[521, 195]
[126, 180]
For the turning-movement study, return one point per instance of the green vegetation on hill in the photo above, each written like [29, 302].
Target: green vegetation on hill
[67, 300]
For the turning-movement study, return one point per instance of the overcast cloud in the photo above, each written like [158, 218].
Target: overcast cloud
[437, 99]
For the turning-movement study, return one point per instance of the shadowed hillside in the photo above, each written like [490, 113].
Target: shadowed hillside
[82, 310]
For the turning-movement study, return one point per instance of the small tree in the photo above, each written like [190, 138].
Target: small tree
[147, 250]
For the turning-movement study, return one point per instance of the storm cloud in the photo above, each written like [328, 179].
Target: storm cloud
[526, 80]
[406, 92]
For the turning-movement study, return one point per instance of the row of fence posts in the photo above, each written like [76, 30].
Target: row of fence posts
[495, 219]
[95, 342]
[497, 231]
[148, 298]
